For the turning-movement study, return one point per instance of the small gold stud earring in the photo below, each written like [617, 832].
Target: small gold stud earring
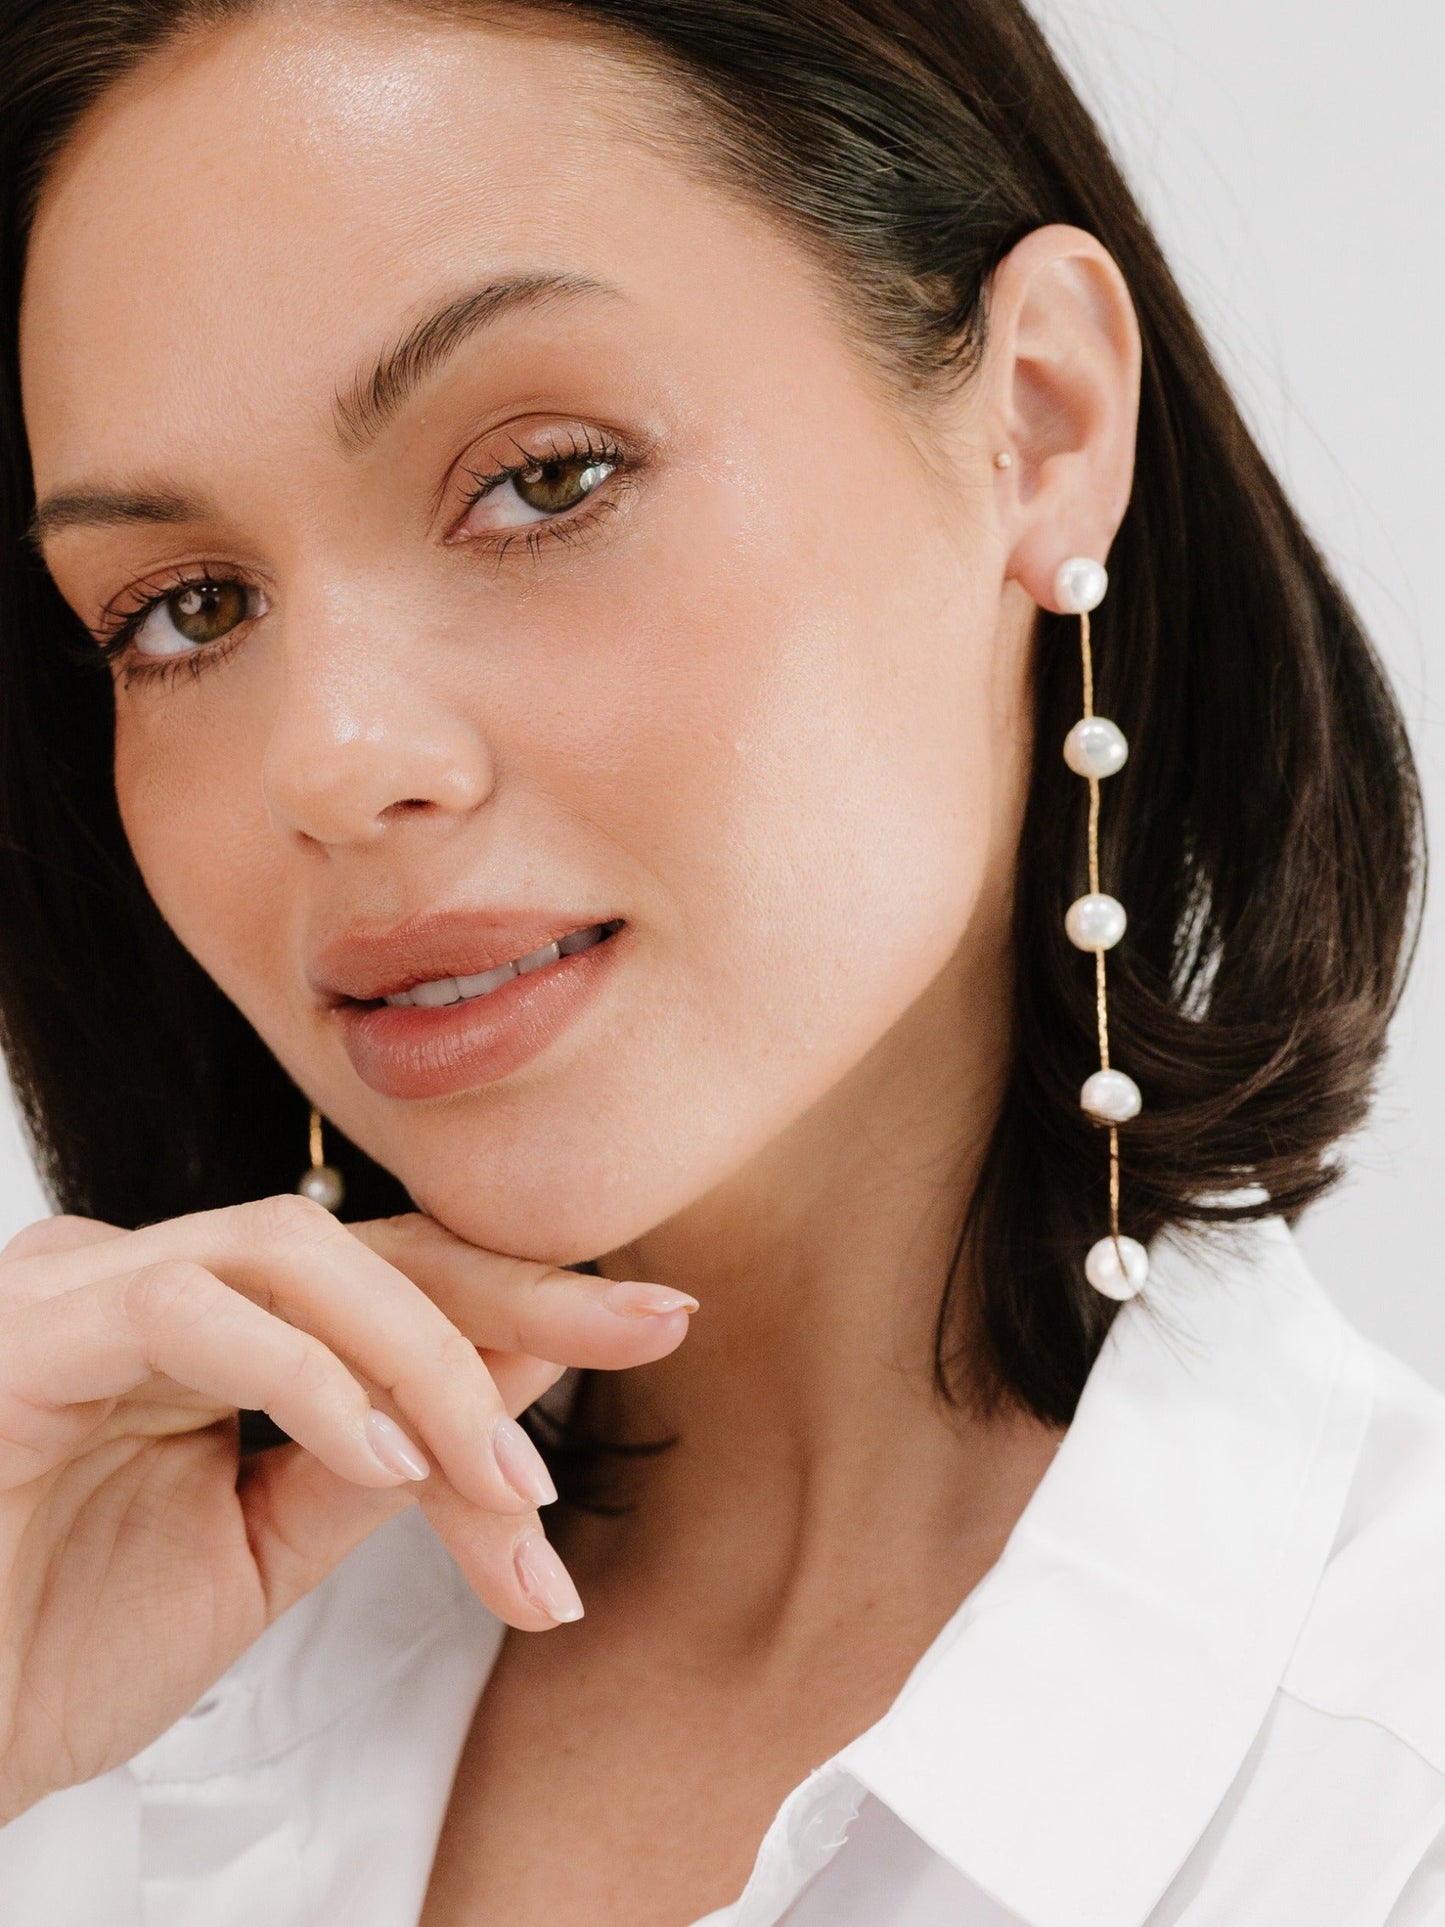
[1003, 459]
[322, 1181]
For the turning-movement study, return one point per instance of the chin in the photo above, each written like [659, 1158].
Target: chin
[553, 1222]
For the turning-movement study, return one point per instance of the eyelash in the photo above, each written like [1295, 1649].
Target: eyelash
[120, 626]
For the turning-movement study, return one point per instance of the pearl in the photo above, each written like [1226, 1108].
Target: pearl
[1105, 1274]
[1095, 747]
[1095, 922]
[1112, 1096]
[1080, 584]
[323, 1183]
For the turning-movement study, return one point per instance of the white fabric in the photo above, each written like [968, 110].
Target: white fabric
[1204, 1686]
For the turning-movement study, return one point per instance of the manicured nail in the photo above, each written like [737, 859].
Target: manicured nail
[391, 1447]
[523, 1466]
[631, 1300]
[544, 1579]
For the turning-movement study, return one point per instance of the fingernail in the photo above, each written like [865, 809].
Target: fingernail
[631, 1300]
[391, 1447]
[523, 1466]
[544, 1579]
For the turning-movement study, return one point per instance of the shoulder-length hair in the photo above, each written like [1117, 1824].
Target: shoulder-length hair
[1265, 832]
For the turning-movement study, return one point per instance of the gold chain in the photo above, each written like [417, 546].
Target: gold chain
[1101, 976]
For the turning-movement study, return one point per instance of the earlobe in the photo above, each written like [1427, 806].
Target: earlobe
[1065, 357]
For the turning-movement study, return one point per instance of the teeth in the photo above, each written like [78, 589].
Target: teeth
[451, 990]
[442, 991]
[489, 980]
[535, 959]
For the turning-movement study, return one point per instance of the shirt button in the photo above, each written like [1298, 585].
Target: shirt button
[825, 1830]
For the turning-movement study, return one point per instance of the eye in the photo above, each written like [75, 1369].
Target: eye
[191, 615]
[542, 487]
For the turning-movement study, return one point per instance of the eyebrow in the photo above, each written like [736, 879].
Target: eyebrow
[106, 507]
[360, 412]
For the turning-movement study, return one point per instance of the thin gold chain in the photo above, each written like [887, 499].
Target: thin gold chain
[1100, 973]
[1101, 976]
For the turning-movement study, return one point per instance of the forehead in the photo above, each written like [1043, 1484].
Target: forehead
[243, 220]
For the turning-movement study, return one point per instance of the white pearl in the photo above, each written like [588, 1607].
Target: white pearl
[323, 1184]
[1080, 584]
[1112, 1096]
[1105, 1274]
[1095, 747]
[1095, 922]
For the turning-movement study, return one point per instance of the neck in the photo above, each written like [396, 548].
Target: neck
[804, 1404]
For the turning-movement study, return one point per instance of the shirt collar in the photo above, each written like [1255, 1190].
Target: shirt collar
[1067, 1737]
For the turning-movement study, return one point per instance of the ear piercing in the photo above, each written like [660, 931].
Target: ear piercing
[322, 1181]
[1003, 459]
[1095, 749]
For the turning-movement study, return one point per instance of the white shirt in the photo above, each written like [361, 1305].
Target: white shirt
[1204, 1684]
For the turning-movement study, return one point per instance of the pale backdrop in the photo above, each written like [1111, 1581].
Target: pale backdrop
[1290, 154]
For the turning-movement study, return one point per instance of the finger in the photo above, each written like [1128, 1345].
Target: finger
[520, 1380]
[509, 1563]
[63, 1232]
[302, 1519]
[516, 1305]
[88, 1348]
[293, 1258]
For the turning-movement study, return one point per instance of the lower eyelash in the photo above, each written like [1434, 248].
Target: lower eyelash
[572, 526]
[165, 669]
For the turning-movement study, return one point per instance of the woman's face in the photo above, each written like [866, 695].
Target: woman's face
[729, 659]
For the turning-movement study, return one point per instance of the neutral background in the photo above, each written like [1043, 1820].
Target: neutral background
[1290, 155]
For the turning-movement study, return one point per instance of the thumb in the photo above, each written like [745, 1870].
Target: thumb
[302, 1519]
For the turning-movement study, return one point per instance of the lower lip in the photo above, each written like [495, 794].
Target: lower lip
[405, 1050]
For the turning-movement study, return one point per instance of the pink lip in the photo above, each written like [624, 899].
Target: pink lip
[408, 1051]
[368, 964]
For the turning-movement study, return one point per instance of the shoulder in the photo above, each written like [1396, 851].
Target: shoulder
[1372, 1647]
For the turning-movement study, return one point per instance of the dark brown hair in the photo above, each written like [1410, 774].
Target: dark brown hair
[1265, 833]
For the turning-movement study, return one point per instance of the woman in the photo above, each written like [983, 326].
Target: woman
[553, 553]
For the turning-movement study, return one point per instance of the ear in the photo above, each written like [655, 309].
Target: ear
[1063, 401]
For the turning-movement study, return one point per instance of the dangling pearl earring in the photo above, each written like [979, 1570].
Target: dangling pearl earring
[1095, 748]
[322, 1181]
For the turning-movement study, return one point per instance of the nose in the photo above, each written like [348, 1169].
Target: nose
[367, 729]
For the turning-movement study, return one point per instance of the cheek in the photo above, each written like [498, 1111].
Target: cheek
[188, 798]
[850, 826]
[815, 771]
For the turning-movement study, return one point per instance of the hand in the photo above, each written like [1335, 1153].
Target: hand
[140, 1556]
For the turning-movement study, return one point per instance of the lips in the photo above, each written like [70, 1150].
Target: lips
[436, 1044]
[365, 967]
[436, 993]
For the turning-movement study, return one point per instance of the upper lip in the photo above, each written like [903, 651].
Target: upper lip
[363, 965]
